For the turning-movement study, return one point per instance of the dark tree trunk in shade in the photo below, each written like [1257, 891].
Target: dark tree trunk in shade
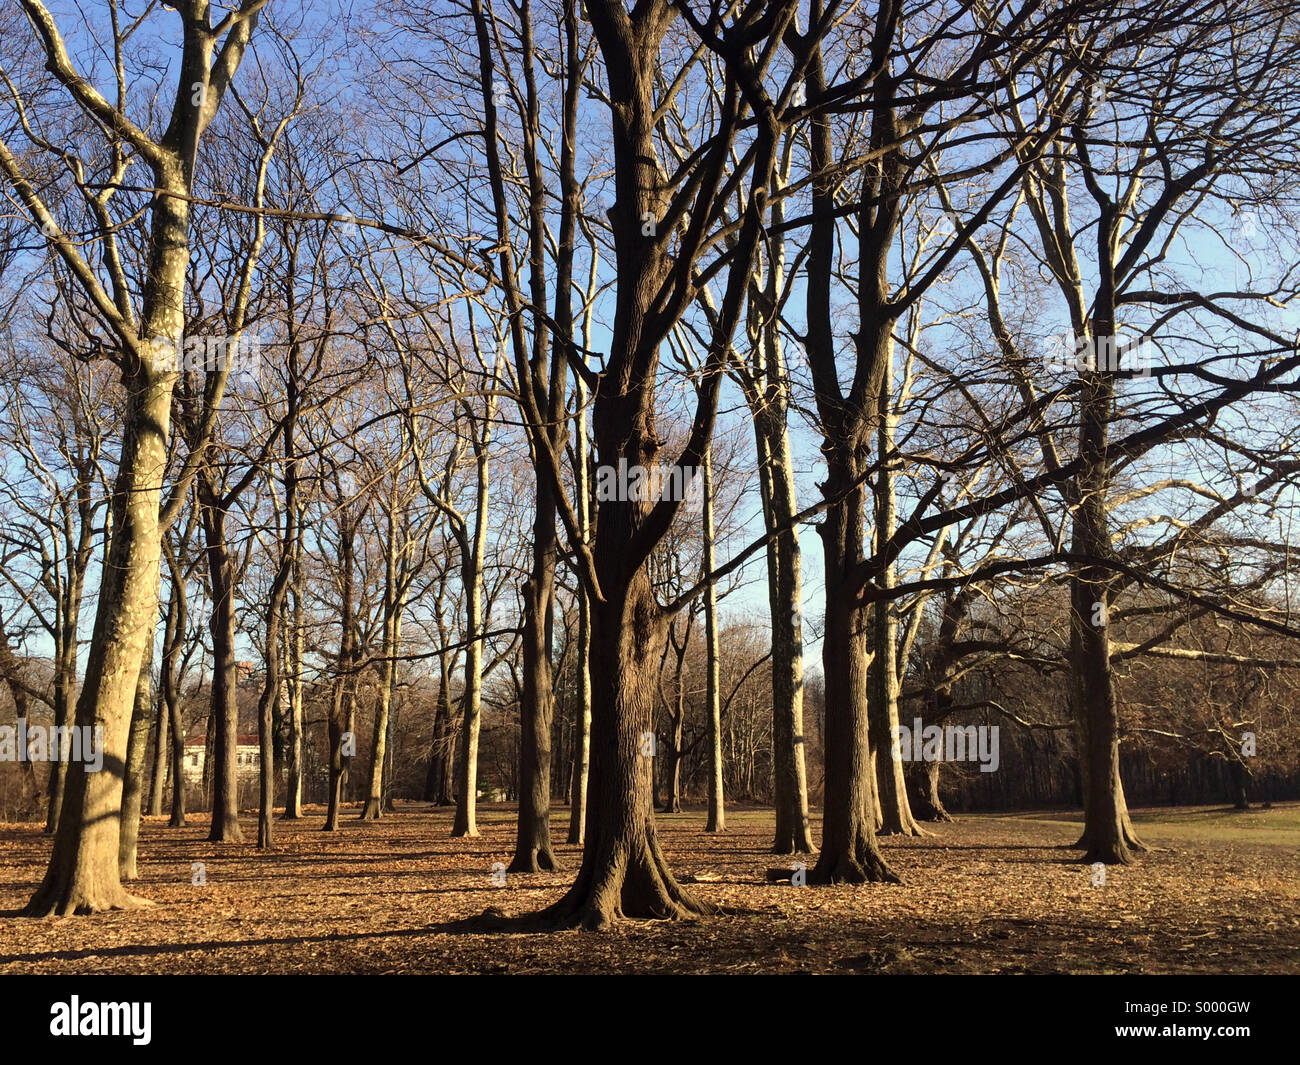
[339, 706]
[225, 702]
[158, 774]
[533, 836]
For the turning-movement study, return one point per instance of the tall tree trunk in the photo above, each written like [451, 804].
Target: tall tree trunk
[137, 747]
[293, 647]
[438, 778]
[166, 747]
[158, 775]
[1239, 777]
[582, 742]
[1108, 834]
[465, 822]
[393, 606]
[767, 393]
[296, 647]
[672, 759]
[177, 731]
[225, 704]
[271, 682]
[891, 787]
[339, 716]
[716, 821]
[849, 852]
[785, 600]
[58, 769]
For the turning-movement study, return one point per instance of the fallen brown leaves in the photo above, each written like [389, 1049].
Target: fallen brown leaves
[982, 895]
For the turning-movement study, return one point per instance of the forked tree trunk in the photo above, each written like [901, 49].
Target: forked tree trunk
[137, 747]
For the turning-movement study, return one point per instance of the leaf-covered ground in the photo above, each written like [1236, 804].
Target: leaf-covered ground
[1218, 893]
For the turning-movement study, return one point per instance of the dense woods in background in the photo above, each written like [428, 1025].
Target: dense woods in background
[837, 265]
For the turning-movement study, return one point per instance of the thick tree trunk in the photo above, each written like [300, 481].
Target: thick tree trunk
[1108, 834]
[137, 748]
[83, 874]
[849, 852]
[785, 594]
[624, 873]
